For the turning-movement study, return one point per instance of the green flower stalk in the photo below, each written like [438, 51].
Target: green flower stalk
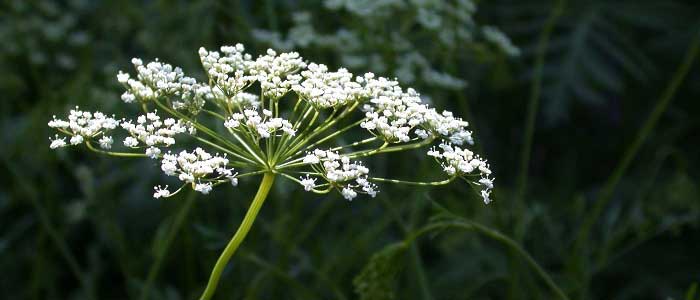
[275, 116]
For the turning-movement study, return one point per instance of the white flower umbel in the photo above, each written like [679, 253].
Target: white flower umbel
[262, 126]
[227, 70]
[301, 109]
[198, 168]
[339, 172]
[276, 73]
[81, 126]
[463, 163]
[325, 89]
[151, 132]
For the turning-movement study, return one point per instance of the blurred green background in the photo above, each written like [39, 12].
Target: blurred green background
[583, 108]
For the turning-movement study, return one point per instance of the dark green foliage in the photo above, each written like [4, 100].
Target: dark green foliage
[377, 280]
[597, 50]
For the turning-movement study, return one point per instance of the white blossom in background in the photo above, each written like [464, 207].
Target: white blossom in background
[365, 8]
[497, 37]
[274, 114]
[452, 22]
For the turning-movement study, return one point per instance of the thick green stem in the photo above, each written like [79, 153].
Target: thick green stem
[238, 237]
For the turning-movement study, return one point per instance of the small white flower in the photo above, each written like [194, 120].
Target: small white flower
[349, 193]
[263, 132]
[56, 123]
[122, 77]
[152, 152]
[131, 142]
[161, 192]
[308, 183]
[186, 177]
[370, 191]
[57, 142]
[422, 133]
[486, 182]
[231, 123]
[128, 97]
[169, 166]
[106, 142]
[486, 194]
[311, 159]
[203, 188]
[76, 140]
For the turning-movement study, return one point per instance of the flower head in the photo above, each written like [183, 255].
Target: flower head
[275, 114]
[81, 125]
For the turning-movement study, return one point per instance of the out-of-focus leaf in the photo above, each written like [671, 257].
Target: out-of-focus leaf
[377, 279]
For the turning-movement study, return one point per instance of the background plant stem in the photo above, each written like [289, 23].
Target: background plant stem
[533, 103]
[58, 239]
[530, 120]
[580, 249]
[649, 125]
[163, 250]
[497, 236]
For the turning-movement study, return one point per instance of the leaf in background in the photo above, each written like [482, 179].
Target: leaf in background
[161, 236]
[591, 58]
[377, 279]
[690, 295]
